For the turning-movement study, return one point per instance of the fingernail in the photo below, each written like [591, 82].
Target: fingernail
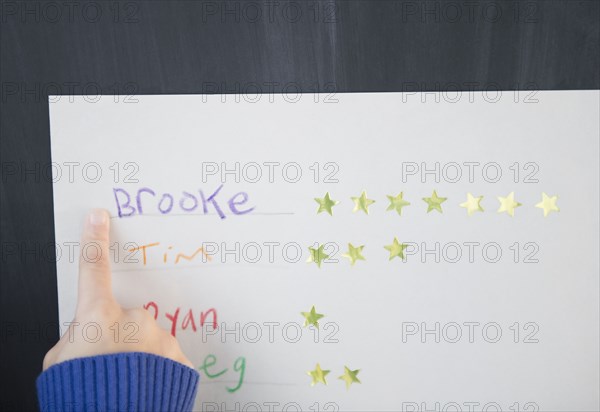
[98, 217]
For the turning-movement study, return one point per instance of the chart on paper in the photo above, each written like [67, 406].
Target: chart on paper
[349, 251]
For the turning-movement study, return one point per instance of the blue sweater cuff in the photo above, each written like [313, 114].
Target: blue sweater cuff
[132, 381]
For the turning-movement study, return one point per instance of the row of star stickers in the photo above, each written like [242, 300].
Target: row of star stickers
[508, 204]
[319, 375]
[354, 253]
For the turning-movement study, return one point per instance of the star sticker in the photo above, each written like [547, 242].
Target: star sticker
[317, 255]
[354, 253]
[434, 202]
[548, 204]
[312, 317]
[325, 204]
[473, 204]
[508, 204]
[362, 203]
[397, 203]
[318, 375]
[396, 249]
[349, 377]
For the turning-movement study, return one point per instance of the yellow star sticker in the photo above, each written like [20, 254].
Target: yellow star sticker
[318, 375]
[317, 255]
[325, 204]
[508, 204]
[548, 204]
[396, 249]
[362, 203]
[473, 204]
[354, 253]
[434, 202]
[312, 317]
[397, 203]
[349, 376]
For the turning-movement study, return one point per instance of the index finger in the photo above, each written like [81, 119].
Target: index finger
[95, 284]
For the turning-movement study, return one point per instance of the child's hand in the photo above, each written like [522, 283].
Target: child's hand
[109, 327]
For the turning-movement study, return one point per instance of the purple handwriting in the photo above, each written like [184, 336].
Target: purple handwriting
[146, 199]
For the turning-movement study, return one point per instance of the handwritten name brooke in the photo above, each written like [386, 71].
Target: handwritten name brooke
[186, 202]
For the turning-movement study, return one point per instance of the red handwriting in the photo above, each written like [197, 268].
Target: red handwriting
[188, 320]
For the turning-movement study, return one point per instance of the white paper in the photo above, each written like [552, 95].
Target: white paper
[547, 311]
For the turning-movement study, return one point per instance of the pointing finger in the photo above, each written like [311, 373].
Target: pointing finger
[95, 285]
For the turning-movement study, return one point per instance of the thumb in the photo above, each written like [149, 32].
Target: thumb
[95, 287]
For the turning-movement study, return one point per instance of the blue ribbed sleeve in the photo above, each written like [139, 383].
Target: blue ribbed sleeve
[132, 381]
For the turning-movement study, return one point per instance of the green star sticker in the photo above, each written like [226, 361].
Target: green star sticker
[434, 202]
[397, 203]
[318, 375]
[325, 204]
[317, 255]
[349, 377]
[362, 202]
[396, 249]
[473, 204]
[508, 204]
[312, 317]
[354, 253]
[548, 204]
